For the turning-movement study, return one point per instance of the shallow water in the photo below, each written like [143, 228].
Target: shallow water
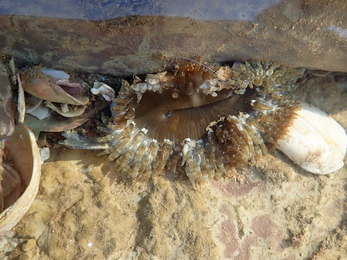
[273, 210]
[103, 10]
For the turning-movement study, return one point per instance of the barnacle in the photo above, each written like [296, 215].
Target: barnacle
[200, 120]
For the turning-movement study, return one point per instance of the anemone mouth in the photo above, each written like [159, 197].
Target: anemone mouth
[185, 117]
[199, 120]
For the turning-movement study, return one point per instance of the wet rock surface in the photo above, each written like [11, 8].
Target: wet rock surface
[131, 39]
[80, 213]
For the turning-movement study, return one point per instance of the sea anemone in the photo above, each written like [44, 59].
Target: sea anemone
[200, 120]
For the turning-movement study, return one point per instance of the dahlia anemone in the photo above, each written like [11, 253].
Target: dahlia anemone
[200, 120]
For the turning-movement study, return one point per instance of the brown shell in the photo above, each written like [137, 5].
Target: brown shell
[6, 104]
[21, 154]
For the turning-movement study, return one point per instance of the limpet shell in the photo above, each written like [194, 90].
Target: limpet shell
[24, 157]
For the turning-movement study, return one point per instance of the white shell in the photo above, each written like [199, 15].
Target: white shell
[35, 108]
[44, 154]
[106, 91]
[57, 74]
[315, 141]
[21, 101]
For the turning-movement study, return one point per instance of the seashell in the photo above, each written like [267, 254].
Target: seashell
[106, 91]
[21, 101]
[46, 87]
[44, 154]
[315, 141]
[35, 107]
[50, 124]
[64, 110]
[32, 103]
[57, 74]
[12, 69]
[76, 141]
[23, 154]
[6, 104]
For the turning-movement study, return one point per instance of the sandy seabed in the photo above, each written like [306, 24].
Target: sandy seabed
[271, 210]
